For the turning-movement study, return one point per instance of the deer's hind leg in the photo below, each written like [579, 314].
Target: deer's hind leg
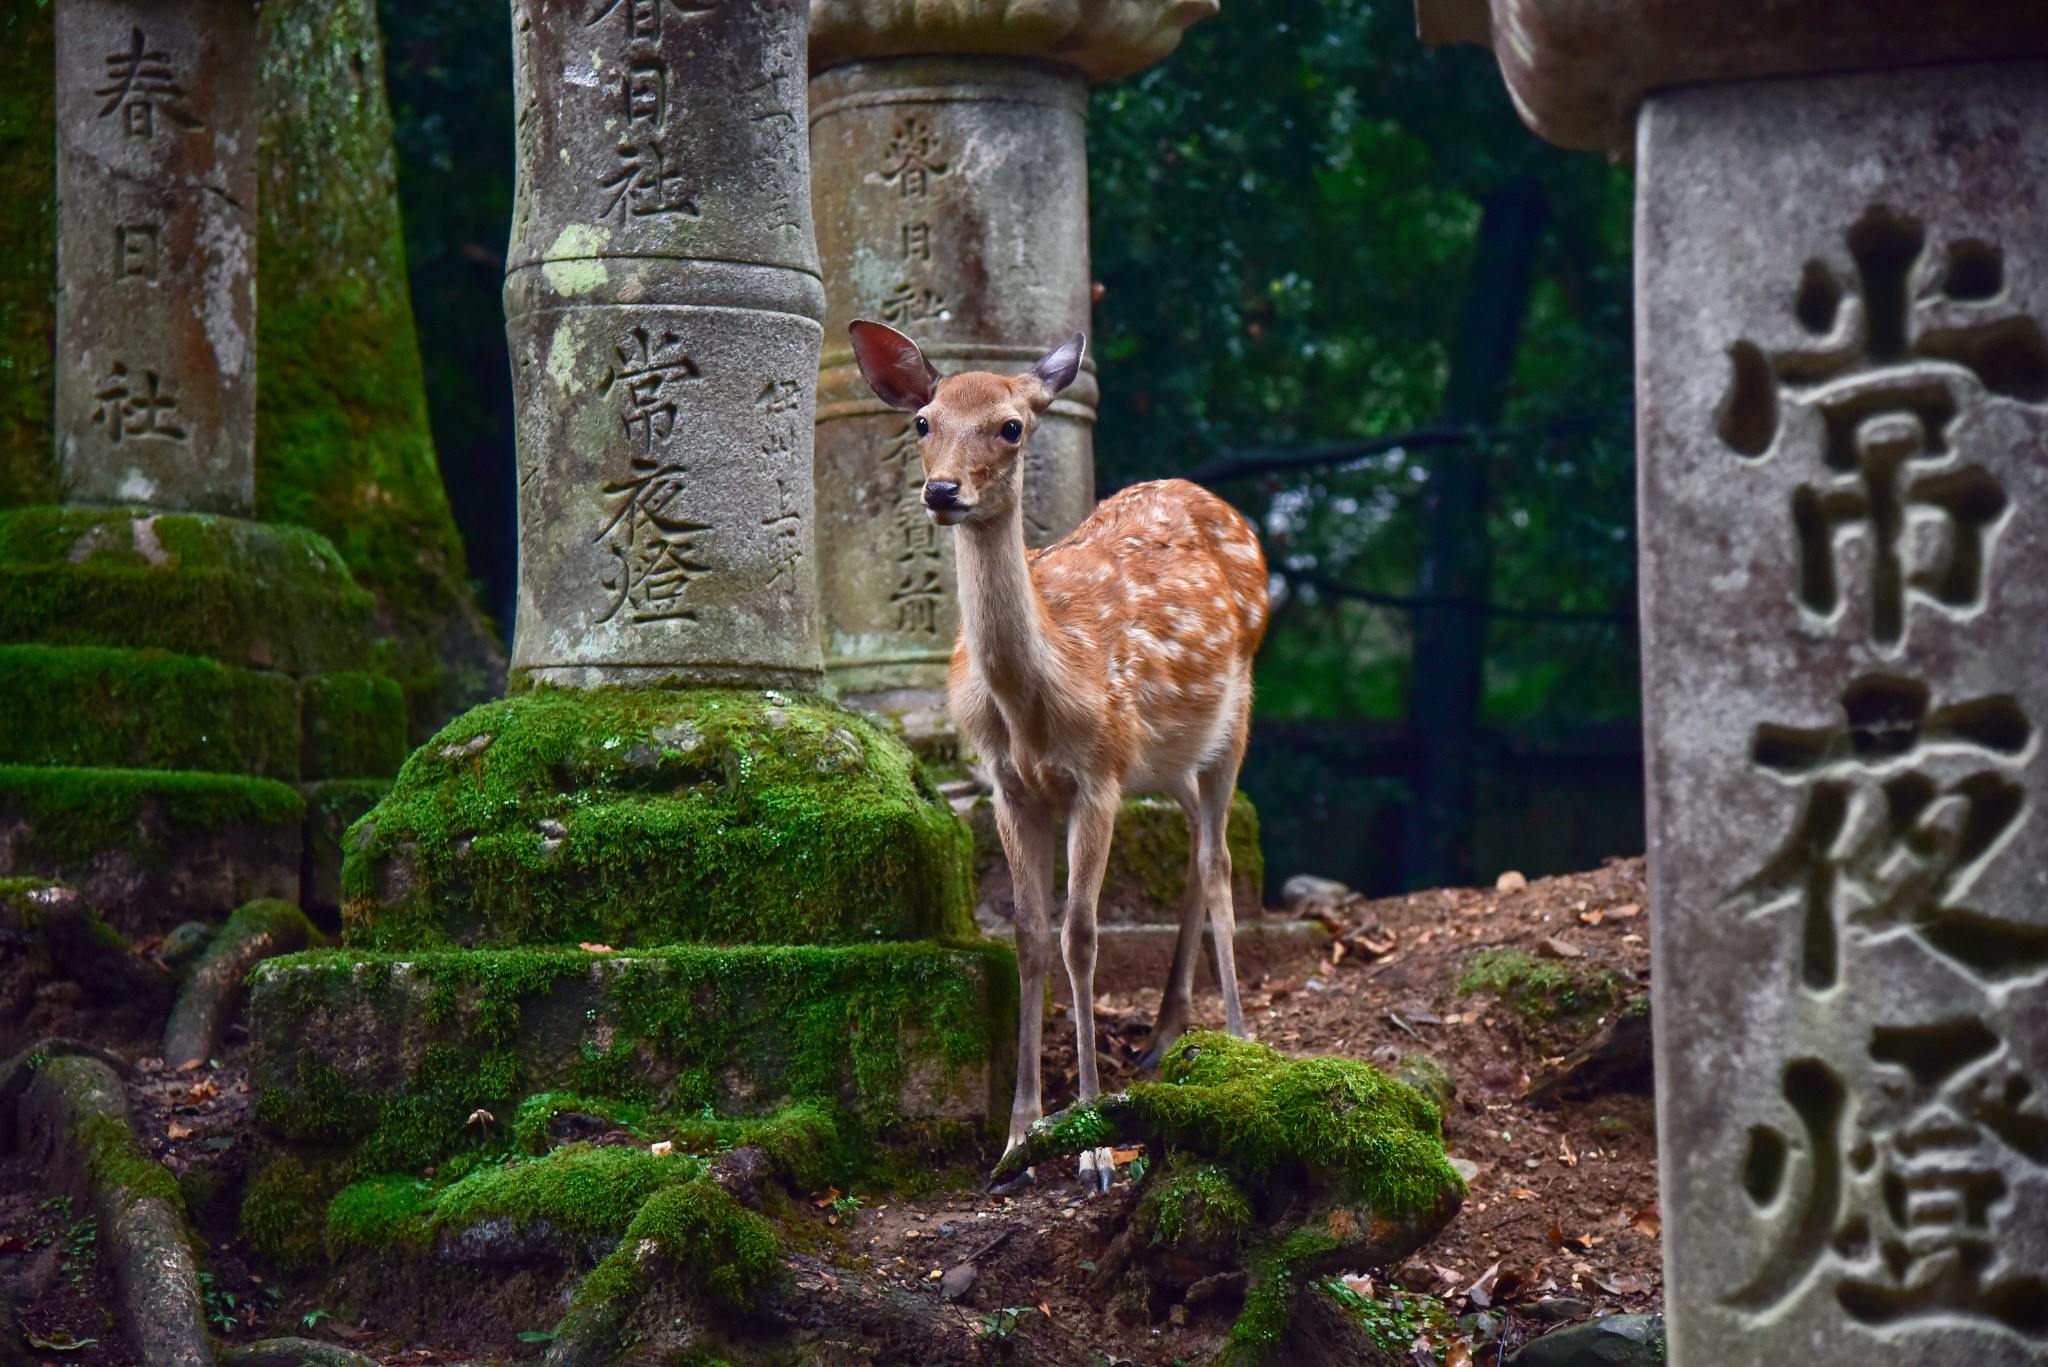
[1212, 856]
[1176, 1004]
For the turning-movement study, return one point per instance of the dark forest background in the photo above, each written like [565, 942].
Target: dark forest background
[1346, 288]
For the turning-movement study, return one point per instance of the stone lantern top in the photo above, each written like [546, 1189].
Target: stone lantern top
[1103, 39]
[1578, 69]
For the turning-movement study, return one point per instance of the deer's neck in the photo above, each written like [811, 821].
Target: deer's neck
[1001, 615]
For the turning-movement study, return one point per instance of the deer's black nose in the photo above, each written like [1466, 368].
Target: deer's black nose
[941, 493]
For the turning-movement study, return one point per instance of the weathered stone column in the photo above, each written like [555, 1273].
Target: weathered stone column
[952, 202]
[663, 299]
[1842, 289]
[156, 258]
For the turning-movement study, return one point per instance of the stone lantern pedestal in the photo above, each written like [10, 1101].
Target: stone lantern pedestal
[951, 195]
[1842, 379]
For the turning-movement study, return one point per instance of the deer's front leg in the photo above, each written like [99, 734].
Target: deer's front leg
[1091, 824]
[1025, 826]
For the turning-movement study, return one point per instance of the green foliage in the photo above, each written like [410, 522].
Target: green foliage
[283, 1209]
[103, 707]
[1542, 991]
[28, 251]
[343, 445]
[74, 815]
[1392, 1323]
[640, 817]
[1283, 215]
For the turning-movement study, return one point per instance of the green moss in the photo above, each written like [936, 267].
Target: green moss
[1344, 1126]
[354, 726]
[343, 444]
[383, 1212]
[576, 1188]
[244, 593]
[647, 817]
[284, 1211]
[28, 251]
[72, 815]
[1197, 1203]
[1278, 1274]
[103, 707]
[1542, 991]
[96, 1110]
[708, 1046]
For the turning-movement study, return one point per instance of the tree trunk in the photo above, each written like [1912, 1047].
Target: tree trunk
[1447, 676]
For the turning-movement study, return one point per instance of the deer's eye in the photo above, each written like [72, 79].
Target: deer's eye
[1013, 430]
[924, 429]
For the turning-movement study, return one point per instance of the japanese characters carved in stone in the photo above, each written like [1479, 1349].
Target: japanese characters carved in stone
[156, 345]
[662, 299]
[1844, 440]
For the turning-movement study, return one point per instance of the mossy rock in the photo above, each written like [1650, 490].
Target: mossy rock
[332, 806]
[250, 594]
[151, 848]
[353, 726]
[1146, 878]
[1550, 995]
[387, 1057]
[105, 707]
[651, 817]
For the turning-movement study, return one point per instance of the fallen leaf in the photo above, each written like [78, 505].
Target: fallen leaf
[1623, 912]
[1559, 1239]
[822, 1199]
[1458, 1355]
[1045, 1309]
[1123, 1156]
[177, 1131]
[192, 1065]
[1564, 1152]
[1480, 1293]
[1550, 947]
[1648, 1221]
[59, 1342]
[1626, 1284]
[205, 1090]
[1523, 1194]
[1336, 954]
[1593, 917]
[589, 948]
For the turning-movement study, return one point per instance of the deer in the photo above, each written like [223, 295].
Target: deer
[1116, 660]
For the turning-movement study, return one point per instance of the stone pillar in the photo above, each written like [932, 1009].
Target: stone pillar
[662, 297]
[1842, 371]
[952, 202]
[156, 257]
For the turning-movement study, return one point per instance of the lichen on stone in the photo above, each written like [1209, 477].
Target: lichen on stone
[648, 817]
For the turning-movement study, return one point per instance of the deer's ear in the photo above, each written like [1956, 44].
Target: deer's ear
[893, 366]
[1057, 368]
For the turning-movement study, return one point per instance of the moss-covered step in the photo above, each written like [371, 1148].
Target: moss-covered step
[111, 708]
[389, 1058]
[332, 806]
[252, 594]
[151, 848]
[1147, 874]
[637, 817]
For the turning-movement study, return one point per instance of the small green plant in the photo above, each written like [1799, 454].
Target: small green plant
[313, 1317]
[1392, 1323]
[223, 1307]
[81, 1249]
[844, 1209]
[1000, 1324]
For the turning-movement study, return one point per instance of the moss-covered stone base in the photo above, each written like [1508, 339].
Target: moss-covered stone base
[152, 848]
[251, 594]
[650, 817]
[1148, 863]
[387, 1058]
[332, 806]
[106, 707]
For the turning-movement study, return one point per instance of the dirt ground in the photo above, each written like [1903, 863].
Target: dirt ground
[1561, 1222]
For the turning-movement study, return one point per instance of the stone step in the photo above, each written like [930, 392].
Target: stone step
[253, 594]
[116, 708]
[389, 1056]
[1131, 957]
[151, 848]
